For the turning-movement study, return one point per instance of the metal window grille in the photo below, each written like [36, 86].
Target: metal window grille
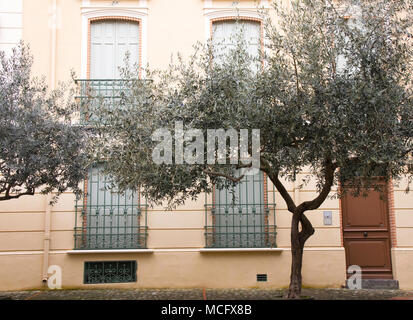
[262, 277]
[96, 94]
[110, 272]
[107, 219]
[241, 217]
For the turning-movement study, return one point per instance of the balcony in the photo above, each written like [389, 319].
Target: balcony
[240, 226]
[94, 94]
[110, 227]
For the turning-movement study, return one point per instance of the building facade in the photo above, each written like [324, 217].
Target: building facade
[109, 240]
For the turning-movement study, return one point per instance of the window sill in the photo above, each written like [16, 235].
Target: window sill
[110, 251]
[213, 250]
[200, 250]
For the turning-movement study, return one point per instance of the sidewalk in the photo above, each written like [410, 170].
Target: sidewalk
[202, 294]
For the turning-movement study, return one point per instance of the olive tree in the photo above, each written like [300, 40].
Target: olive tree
[40, 146]
[330, 94]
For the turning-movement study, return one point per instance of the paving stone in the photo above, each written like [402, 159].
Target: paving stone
[211, 294]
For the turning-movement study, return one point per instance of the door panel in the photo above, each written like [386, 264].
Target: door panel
[366, 234]
[365, 212]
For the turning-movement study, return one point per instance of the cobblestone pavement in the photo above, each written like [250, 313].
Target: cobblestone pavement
[200, 294]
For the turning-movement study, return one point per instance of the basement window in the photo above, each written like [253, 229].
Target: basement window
[110, 272]
[262, 278]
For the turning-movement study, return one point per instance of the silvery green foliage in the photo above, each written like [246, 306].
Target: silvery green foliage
[312, 113]
[358, 117]
[40, 149]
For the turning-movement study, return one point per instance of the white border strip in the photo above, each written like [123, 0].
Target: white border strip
[209, 250]
[110, 251]
[200, 250]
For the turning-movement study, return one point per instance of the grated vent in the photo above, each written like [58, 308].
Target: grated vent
[261, 277]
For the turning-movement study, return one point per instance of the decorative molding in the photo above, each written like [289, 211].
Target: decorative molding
[207, 4]
[227, 13]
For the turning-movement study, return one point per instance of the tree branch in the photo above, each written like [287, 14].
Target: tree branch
[8, 191]
[273, 175]
[329, 169]
[7, 196]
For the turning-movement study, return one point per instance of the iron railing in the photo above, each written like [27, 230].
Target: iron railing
[241, 217]
[105, 220]
[240, 225]
[98, 93]
[111, 227]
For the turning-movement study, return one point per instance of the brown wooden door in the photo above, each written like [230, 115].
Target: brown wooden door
[366, 234]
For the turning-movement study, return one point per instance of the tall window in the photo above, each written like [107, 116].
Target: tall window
[226, 32]
[239, 215]
[354, 22]
[109, 220]
[110, 40]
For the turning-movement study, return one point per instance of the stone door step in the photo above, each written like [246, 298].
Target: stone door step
[388, 284]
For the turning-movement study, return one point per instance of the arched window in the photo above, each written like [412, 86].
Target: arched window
[226, 31]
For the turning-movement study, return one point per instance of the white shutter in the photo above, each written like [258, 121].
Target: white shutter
[225, 35]
[102, 54]
[355, 22]
[110, 40]
[127, 40]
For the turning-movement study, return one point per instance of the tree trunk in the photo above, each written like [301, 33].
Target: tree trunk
[296, 261]
[298, 239]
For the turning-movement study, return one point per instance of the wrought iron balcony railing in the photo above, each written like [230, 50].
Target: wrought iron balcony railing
[111, 227]
[98, 93]
[249, 225]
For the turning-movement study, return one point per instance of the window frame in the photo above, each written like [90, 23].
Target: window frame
[221, 16]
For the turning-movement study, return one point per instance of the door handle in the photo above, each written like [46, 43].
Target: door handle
[365, 234]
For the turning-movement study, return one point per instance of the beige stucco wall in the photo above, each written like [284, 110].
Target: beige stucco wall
[402, 259]
[181, 269]
[172, 26]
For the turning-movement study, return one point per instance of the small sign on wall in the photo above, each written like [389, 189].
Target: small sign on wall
[328, 218]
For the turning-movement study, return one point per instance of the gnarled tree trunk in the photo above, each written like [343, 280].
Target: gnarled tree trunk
[296, 261]
[298, 239]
